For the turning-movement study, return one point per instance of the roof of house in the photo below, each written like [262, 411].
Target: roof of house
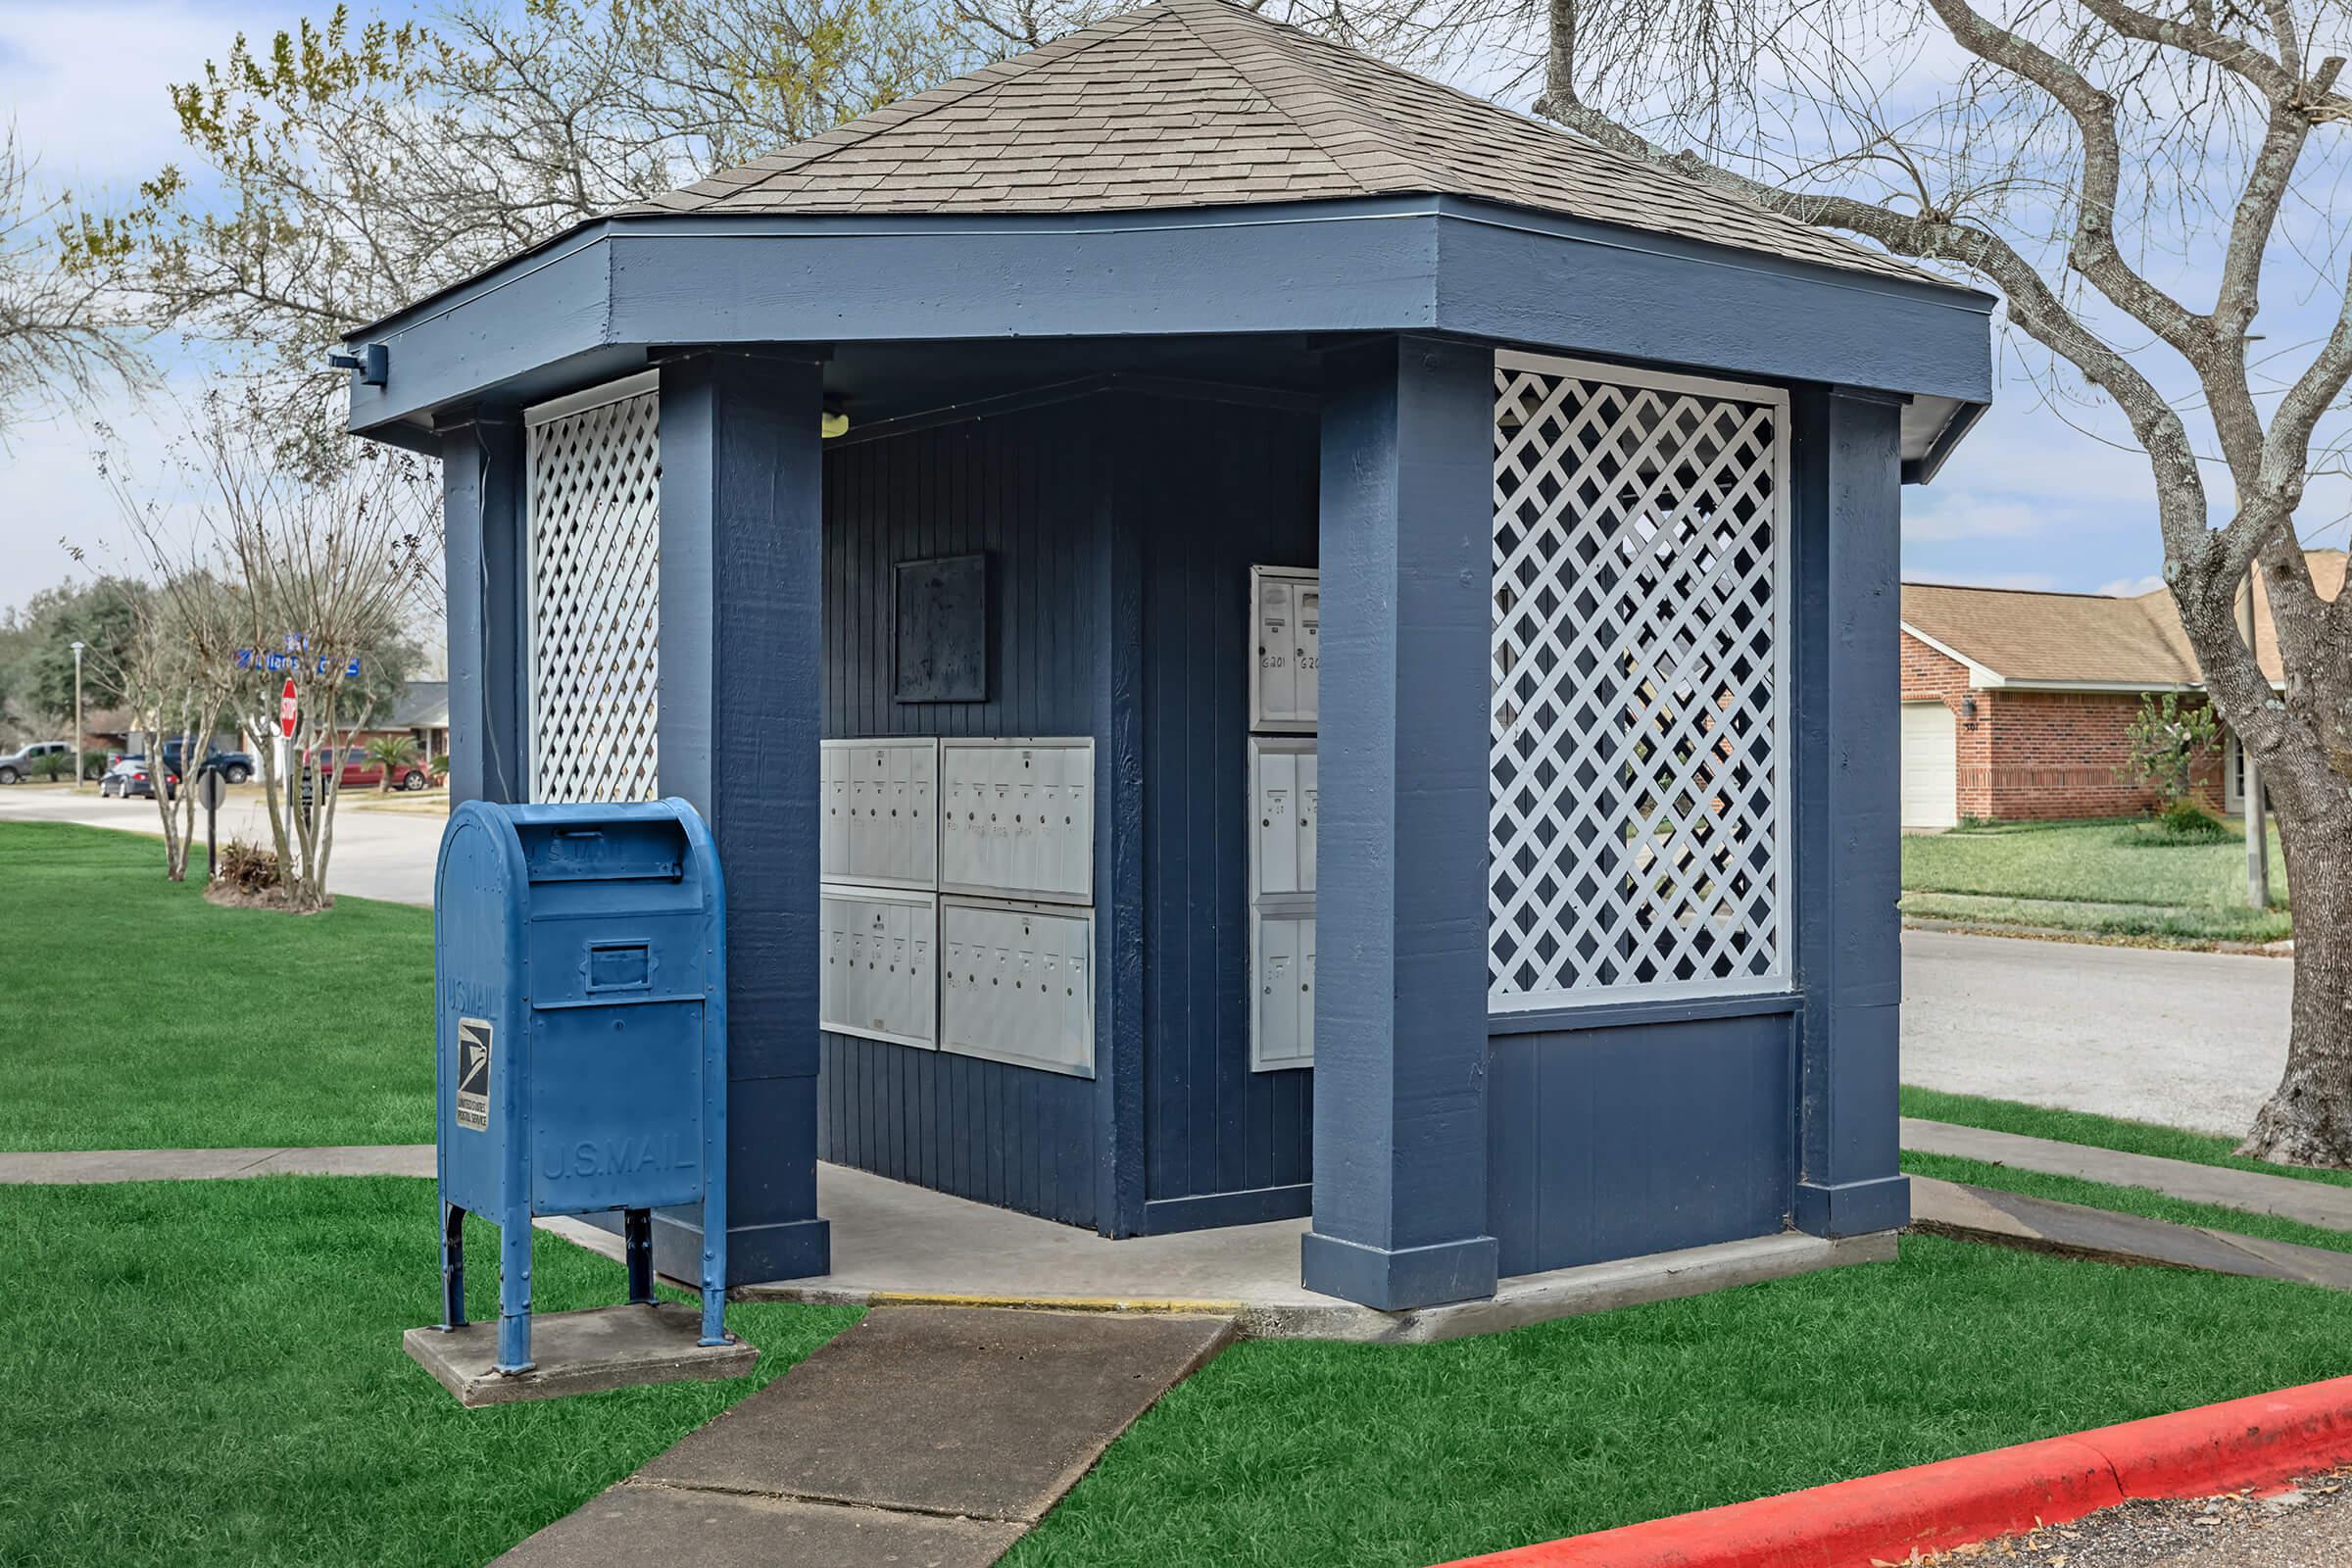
[422, 705]
[1201, 103]
[2028, 638]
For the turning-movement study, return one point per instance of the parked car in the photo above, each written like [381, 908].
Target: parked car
[132, 777]
[18, 766]
[359, 770]
[234, 767]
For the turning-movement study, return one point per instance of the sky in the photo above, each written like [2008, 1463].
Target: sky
[2027, 502]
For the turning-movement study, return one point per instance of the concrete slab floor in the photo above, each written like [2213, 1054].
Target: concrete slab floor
[896, 1244]
[579, 1352]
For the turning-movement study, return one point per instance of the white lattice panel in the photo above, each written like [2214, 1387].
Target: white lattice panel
[595, 537]
[1637, 759]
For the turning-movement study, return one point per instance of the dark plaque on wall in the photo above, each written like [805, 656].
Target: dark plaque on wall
[941, 608]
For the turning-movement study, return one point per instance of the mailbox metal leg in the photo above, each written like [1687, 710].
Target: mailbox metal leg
[637, 1230]
[714, 1266]
[453, 1266]
[515, 1294]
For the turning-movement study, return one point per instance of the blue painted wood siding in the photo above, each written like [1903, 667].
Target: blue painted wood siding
[1021, 487]
[1611, 1142]
[1216, 486]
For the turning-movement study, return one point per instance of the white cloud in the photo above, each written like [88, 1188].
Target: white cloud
[2132, 587]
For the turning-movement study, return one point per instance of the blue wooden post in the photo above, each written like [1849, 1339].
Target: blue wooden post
[1847, 565]
[739, 719]
[481, 501]
[1400, 989]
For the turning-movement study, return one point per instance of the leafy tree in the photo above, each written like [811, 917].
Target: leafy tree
[362, 165]
[103, 614]
[2168, 739]
[394, 753]
[2134, 177]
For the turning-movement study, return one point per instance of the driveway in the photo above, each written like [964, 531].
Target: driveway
[2189, 1039]
[377, 854]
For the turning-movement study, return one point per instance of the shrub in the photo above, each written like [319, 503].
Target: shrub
[249, 867]
[53, 766]
[2183, 821]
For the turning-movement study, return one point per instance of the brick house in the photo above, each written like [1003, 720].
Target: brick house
[2017, 705]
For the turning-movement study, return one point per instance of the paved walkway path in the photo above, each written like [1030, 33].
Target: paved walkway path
[923, 1435]
[2288, 1198]
[88, 1166]
[2068, 1230]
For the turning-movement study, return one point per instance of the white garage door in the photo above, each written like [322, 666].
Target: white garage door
[1931, 766]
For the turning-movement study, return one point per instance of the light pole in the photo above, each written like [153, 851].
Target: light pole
[78, 730]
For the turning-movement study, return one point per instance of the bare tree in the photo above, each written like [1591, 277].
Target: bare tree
[2134, 177]
[267, 574]
[61, 336]
[347, 168]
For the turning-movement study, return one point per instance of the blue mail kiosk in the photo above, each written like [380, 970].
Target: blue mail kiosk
[580, 988]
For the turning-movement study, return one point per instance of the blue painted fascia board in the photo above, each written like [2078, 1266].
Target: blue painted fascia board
[1546, 283]
[626, 285]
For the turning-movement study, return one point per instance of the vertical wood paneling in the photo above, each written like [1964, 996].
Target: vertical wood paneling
[1214, 486]
[1613, 1143]
[1016, 486]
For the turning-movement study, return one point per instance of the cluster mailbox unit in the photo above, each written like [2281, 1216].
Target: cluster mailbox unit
[956, 898]
[1285, 615]
[959, 512]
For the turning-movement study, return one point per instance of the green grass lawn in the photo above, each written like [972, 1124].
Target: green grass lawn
[139, 1016]
[2084, 876]
[2100, 1132]
[1285, 1453]
[211, 1372]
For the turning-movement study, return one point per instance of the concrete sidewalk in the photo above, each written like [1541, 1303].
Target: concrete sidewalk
[2286, 1197]
[86, 1166]
[2070, 1230]
[923, 1435]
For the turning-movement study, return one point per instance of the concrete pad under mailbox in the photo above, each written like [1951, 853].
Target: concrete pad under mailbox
[579, 1352]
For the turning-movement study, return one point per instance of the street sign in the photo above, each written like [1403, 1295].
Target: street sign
[287, 708]
[211, 788]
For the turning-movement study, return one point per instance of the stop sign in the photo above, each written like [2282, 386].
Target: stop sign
[288, 708]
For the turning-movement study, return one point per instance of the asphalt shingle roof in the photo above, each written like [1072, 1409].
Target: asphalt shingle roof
[2030, 636]
[1199, 103]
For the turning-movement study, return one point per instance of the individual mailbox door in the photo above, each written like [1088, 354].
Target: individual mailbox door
[1283, 810]
[1021, 990]
[884, 982]
[881, 826]
[1285, 614]
[1283, 958]
[1027, 821]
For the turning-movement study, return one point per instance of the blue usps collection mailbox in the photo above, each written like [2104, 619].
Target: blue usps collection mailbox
[580, 981]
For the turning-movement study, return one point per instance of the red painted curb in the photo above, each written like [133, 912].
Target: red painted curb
[2190, 1453]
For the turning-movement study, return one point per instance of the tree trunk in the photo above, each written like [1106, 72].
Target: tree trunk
[2308, 1118]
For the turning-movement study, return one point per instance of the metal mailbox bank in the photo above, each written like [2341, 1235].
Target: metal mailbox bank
[578, 958]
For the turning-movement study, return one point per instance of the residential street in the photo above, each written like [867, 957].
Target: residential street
[2189, 1039]
[377, 854]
